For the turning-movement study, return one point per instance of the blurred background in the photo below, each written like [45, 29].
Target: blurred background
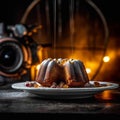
[82, 29]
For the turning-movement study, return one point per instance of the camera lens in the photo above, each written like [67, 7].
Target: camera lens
[8, 56]
[11, 56]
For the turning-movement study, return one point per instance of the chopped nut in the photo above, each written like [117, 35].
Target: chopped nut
[61, 84]
[37, 85]
[65, 86]
[54, 85]
[32, 84]
[97, 84]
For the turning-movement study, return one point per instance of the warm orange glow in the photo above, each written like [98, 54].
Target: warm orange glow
[106, 59]
[33, 72]
[106, 95]
[37, 67]
[91, 67]
[88, 70]
[40, 53]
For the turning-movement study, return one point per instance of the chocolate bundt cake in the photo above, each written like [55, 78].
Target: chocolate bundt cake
[68, 71]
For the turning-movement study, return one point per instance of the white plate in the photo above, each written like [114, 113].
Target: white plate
[66, 93]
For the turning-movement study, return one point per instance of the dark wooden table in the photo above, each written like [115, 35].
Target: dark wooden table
[16, 103]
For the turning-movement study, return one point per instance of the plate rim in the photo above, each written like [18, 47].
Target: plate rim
[110, 85]
[65, 93]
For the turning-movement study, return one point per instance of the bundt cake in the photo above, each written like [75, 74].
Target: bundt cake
[62, 71]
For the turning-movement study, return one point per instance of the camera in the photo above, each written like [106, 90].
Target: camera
[17, 53]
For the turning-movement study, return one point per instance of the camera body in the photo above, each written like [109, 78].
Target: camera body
[18, 52]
